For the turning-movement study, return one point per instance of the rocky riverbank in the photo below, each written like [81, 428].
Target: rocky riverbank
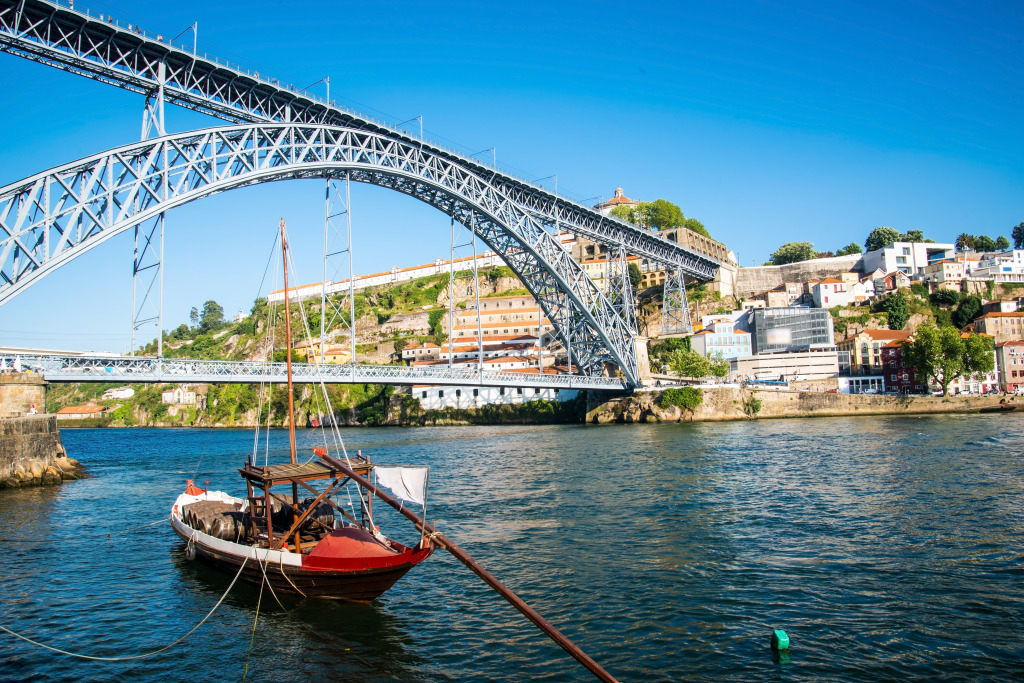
[31, 453]
[726, 403]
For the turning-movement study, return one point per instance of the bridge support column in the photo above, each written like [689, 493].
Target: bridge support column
[463, 288]
[338, 304]
[618, 286]
[675, 309]
[643, 361]
[148, 263]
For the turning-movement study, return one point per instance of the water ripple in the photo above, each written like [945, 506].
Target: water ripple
[886, 547]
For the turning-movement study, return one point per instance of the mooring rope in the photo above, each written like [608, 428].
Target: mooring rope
[252, 638]
[142, 656]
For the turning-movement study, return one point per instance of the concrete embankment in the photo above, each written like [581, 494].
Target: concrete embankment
[31, 453]
[743, 404]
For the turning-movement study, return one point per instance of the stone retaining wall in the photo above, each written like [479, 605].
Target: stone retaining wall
[735, 404]
[31, 453]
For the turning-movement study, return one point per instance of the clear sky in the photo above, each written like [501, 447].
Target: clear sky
[768, 121]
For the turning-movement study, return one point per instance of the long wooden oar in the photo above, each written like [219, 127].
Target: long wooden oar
[462, 556]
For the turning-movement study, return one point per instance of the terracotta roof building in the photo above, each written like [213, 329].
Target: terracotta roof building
[865, 349]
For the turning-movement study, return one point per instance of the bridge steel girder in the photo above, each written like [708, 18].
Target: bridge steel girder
[130, 58]
[143, 369]
[55, 216]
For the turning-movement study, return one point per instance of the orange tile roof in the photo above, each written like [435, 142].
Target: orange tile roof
[1011, 342]
[998, 314]
[830, 281]
[81, 410]
[883, 334]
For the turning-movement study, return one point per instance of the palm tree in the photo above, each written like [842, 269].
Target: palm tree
[965, 242]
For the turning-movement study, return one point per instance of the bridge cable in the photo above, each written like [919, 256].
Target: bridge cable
[142, 656]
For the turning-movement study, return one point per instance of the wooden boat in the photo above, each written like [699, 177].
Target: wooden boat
[300, 545]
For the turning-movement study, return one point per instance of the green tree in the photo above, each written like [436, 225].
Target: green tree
[624, 213]
[851, 248]
[1018, 236]
[881, 237]
[211, 317]
[898, 310]
[434, 320]
[1002, 244]
[792, 252]
[912, 236]
[964, 241]
[943, 356]
[635, 276]
[718, 366]
[967, 310]
[689, 364]
[193, 316]
[663, 215]
[985, 243]
[945, 297]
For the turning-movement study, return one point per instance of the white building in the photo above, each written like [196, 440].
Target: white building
[721, 338]
[801, 365]
[945, 274]
[118, 393]
[179, 396]
[908, 257]
[830, 292]
[1007, 266]
[436, 398]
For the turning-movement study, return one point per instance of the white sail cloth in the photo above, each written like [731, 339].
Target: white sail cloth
[408, 483]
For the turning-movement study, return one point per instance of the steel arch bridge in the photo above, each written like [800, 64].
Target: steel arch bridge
[57, 215]
[62, 213]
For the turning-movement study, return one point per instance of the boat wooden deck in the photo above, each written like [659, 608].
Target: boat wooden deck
[303, 471]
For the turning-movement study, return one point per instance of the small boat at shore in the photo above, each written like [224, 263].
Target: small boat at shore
[311, 545]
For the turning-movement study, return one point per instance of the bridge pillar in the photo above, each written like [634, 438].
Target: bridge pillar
[19, 391]
[643, 361]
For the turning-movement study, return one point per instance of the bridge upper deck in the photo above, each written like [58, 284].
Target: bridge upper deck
[101, 47]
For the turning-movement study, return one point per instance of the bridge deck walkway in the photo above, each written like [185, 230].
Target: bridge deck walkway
[178, 370]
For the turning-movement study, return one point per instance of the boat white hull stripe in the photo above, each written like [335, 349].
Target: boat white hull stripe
[237, 549]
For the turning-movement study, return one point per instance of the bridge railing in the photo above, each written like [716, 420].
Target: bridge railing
[143, 369]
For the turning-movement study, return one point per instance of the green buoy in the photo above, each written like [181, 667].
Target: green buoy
[780, 641]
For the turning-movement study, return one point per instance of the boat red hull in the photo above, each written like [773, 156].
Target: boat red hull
[350, 584]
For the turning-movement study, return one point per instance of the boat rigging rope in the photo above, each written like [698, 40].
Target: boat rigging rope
[252, 638]
[133, 657]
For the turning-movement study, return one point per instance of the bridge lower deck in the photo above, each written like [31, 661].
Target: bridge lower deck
[130, 369]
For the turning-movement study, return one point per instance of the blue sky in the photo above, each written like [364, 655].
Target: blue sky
[769, 122]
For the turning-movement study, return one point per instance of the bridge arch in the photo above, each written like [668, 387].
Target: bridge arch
[57, 215]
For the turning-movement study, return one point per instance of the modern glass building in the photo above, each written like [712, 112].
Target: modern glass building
[778, 330]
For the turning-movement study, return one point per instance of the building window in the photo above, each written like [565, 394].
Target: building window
[536, 391]
[501, 391]
[424, 394]
[476, 392]
[519, 391]
[458, 393]
[440, 394]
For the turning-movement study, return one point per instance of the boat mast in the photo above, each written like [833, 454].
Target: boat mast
[288, 346]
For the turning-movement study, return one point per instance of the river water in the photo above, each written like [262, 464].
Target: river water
[887, 548]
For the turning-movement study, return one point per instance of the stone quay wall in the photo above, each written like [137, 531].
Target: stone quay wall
[728, 403]
[753, 281]
[19, 391]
